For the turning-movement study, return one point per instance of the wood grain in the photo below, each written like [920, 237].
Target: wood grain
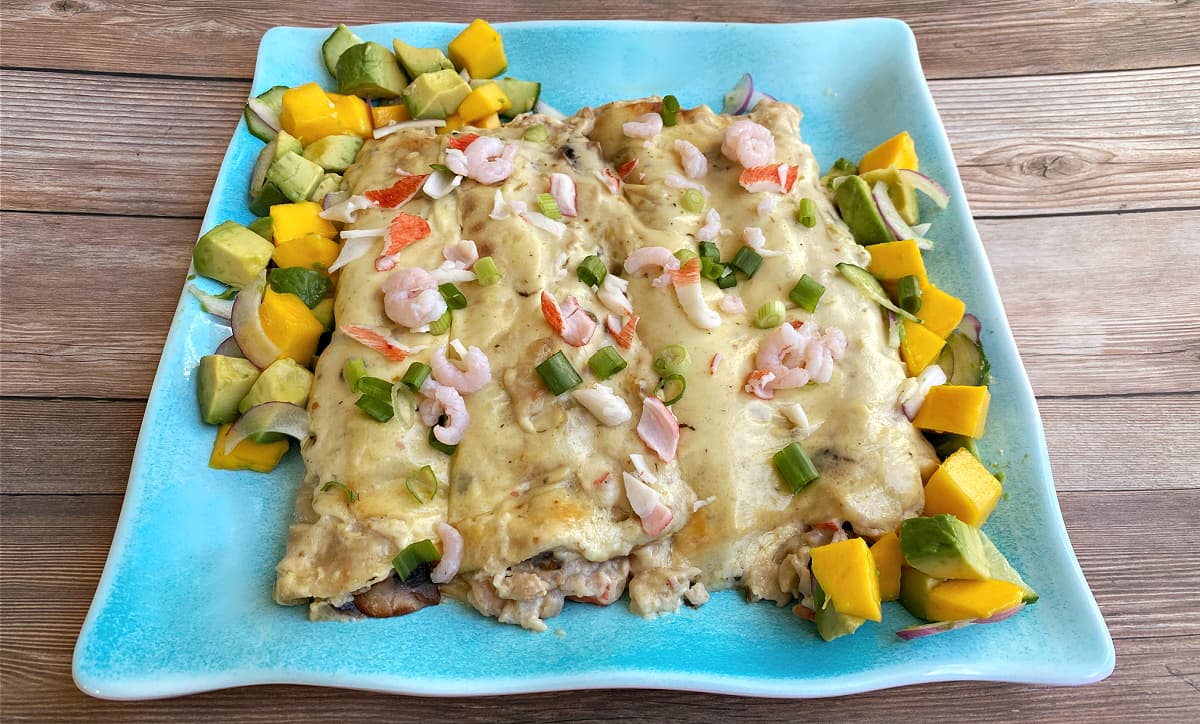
[968, 38]
[1133, 143]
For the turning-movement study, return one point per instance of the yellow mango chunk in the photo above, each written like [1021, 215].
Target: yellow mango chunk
[964, 488]
[292, 221]
[353, 115]
[958, 600]
[919, 347]
[479, 49]
[955, 408]
[846, 572]
[290, 325]
[896, 152]
[310, 251]
[454, 122]
[247, 454]
[482, 102]
[308, 113]
[385, 115]
[940, 312]
[894, 260]
[492, 121]
[888, 560]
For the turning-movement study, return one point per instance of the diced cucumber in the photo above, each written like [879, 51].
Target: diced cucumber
[337, 43]
[522, 95]
[263, 226]
[272, 99]
[968, 360]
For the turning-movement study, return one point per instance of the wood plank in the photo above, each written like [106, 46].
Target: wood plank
[52, 550]
[1012, 163]
[967, 38]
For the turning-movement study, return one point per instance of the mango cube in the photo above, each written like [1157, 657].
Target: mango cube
[964, 488]
[352, 115]
[492, 121]
[888, 560]
[959, 409]
[940, 312]
[893, 260]
[846, 572]
[479, 49]
[919, 347]
[310, 251]
[482, 102]
[308, 113]
[290, 325]
[959, 600]
[454, 122]
[387, 115]
[247, 454]
[292, 221]
[896, 152]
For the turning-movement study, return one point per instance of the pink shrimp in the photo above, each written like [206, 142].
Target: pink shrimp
[487, 159]
[452, 553]
[691, 297]
[791, 357]
[457, 419]
[659, 429]
[732, 304]
[570, 321]
[562, 188]
[712, 226]
[429, 408]
[647, 504]
[647, 125]
[694, 162]
[411, 298]
[659, 256]
[759, 384]
[474, 373]
[749, 144]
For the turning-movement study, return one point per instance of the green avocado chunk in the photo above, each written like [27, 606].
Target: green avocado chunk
[263, 226]
[369, 69]
[338, 42]
[232, 254]
[944, 547]
[417, 61]
[330, 183]
[282, 144]
[283, 381]
[522, 94]
[334, 153]
[435, 95]
[1001, 570]
[830, 623]
[854, 202]
[902, 193]
[268, 196]
[221, 382]
[914, 591]
[295, 176]
[323, 311]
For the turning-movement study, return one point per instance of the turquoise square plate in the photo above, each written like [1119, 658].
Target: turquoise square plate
[184, 604]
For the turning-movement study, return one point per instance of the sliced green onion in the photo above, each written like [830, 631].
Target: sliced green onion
[807, 293]
[727, 281]
[351, 496]
[440, 168]
[537, 134]
[709, 250]
[354, 370]
[747, 261]
[671, 388]
[840, 168]
[908, 293]
[486, 272]
[684, 255]
[379, 410]
[453, 296]
[441, 325]
[711, 270]
[870, 286]
[558, 374]
[795, 467]
[607, 362]
[375, 387]
[693, 201]
[426, 482]
[416, 374]
[437, 444]
[807, 213]
[414, 556]
[672, 359]
[591, 271]
[549, 207]
[404, 405]
[670, 111]
[770, 315]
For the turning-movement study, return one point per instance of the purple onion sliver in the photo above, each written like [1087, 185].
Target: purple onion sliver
[282, 417]
[229, 348]
[891, 217]
[1001, 615]
[971, 327]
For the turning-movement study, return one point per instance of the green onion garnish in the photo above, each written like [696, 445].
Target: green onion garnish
[350, 494]
[414, 556]
[375, 387]
[795, 467]
[404, 405]
[711, 269]
[747, 261]
[770, 315]
[441, 325]
[379, 410]
[591, 271]
[426, 482]
[806, 293]
[672, 359]
[354, 370]
[807, 213]
[607, 362]
[671, 388]
[693, 201]
[537, 134]
[840, 167]
[453, 296]
[416, 374]
[727, 281]
[684, 255]
[437, 444]
[908, 293]
[439, 167]
[670, 111]
[549, 207]
[709, 250]
[558, 374]
[486, 272]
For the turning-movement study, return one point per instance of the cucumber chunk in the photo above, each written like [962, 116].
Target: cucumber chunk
[273, 100]
[341, 40]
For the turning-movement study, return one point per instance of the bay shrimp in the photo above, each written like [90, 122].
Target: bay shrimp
[411, 298]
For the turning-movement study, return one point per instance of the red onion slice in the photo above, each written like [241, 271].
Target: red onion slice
[229, 348]
[737, 100]
[934, 190]
[971, 327]
[937, 627]
[281, 417]
[265, 113]
[247, 326]
[215, 306]
[891, 216]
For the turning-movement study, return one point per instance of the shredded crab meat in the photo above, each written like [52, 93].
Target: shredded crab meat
[659, 256]
[462, 253]
[545, 223]
[715, 363]
[659, 429]
[755, 239]
[411, 298]
[711, 227]
[622, 332]
[676, 181]
[732, 304]
[691, 297]
[778, 178]
[570, 321]
[648, 505]
[604, 404]
[562, 188]
[403, 231]
[795, 415]
[348, 210]
[642, 468]
[767, 205]
[793, 356]
[610, 180]
[375, 339]
[749, 144]
[500, 208]
[613, 294]
[647, 125]
[694, 162]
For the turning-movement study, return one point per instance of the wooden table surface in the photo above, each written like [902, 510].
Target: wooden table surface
[1076, 126]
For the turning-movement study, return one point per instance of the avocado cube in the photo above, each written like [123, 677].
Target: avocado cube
[330, 183]
[417, 61]
[295, 176]
[268, 195]
[902, 193]
[232, 254]
[830, 623]
[285, 380]
[943, 546]
[334, 153]
[914, 591]
[435, 95]
[323, 311]
[1001, 570]
[854, 202]
[221, 382]
[369, 69]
